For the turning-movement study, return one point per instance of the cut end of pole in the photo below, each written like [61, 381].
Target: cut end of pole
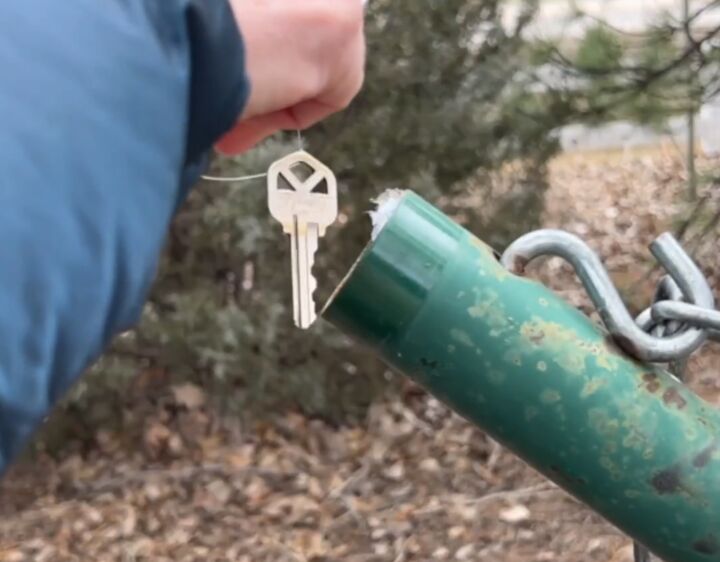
[385, 207]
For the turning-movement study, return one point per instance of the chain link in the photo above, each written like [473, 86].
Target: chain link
[689, 315]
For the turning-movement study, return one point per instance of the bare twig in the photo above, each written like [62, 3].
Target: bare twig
[285, 548]
[167, 474]
[360, 474]
[696, 240]
[401, 551]
[638, 79]
[495, 455]
[700, 11]
[613, 28]
[501, 495]
[36, 514]
[409, 415]
[511, 495]
[692, 217]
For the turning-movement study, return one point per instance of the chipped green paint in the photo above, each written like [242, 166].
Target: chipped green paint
[496, 377]
[625, 438]
[592, 386]
[462, 337]
[513, 356]
[635, 440]
[531, 412]
[489, 307]
[549, 396]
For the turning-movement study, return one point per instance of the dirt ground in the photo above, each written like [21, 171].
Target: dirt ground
[416, 483]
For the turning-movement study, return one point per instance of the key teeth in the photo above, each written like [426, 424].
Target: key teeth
[313, 281]
[313, 285]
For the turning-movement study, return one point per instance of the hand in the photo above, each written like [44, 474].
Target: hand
[305, 60]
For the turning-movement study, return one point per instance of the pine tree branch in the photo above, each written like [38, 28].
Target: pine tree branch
[633, 86]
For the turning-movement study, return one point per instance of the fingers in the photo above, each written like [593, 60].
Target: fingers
[296, 50]
[246, 134]
[305, 60]
[250, 132]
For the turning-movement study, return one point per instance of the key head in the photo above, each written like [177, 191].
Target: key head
[301, 186]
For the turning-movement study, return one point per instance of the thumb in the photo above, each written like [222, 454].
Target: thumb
[246, 134]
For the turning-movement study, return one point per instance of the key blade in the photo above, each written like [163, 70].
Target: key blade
[305, 243]
[312, 248]
[292, 231]
[305, 208]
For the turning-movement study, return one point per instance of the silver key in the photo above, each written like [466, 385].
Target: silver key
[302, 196]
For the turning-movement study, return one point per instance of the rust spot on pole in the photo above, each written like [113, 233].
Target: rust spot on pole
[672, 397]
[519, 265]
[707, 545]
[537, 337]
[431, 363]
[652, 384]
[667, 481]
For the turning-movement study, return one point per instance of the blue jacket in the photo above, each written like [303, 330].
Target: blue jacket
[108, 109]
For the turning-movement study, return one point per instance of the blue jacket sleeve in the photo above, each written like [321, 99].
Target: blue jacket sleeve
[107, 111]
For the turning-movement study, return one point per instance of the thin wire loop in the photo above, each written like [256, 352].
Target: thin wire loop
[234, 180]
[252, 177]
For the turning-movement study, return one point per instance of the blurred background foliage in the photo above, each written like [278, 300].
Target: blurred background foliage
[455, 99]
[669, 68]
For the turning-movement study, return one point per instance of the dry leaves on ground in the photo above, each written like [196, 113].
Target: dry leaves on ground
[418, 484]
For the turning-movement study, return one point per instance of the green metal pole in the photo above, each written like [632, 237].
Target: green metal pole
[540, 377]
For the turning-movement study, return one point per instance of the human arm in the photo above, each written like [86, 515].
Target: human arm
[317, 54]
[108, 110]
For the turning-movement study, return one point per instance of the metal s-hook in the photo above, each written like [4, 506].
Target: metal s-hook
[607, 300]
[667, 290]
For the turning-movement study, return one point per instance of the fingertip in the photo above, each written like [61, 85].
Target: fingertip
[243, 137]
[228, 144]
[247, 134]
